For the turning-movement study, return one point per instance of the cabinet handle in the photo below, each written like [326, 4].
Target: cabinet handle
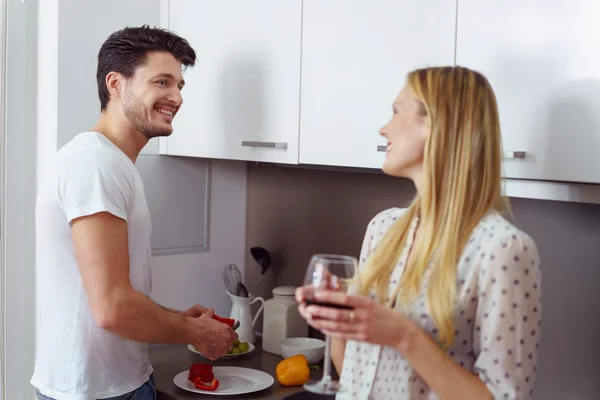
[514, 154]
[269, 145]
[507, 153]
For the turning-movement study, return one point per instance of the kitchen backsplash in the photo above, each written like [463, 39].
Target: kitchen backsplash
[295, 213]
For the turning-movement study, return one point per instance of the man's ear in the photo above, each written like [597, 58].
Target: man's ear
[113, 83]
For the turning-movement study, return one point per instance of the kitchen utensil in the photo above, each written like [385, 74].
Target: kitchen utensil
[232, 381]
[263, 258]
[241, 290]
[236, 325]
[240, 311]
[282, 319]
[251, 348]
[232, 276]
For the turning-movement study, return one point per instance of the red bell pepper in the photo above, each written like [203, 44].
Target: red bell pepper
[200, 384]
[228, 321]
[201, 371]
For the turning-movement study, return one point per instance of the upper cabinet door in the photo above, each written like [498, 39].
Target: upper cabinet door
[355, 56]
[242, 99]
[543, 61]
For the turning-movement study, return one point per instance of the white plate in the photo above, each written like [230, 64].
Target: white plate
[250, 350]
[232, 381]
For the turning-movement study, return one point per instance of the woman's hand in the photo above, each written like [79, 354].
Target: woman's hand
[367, 321]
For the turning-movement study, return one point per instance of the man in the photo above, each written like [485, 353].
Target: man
[93, 236]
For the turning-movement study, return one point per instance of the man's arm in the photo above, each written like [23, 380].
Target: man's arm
[167, 309]
[193, 312]
[101, 249]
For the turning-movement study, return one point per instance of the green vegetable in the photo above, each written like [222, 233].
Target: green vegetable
[244, 347]
[239, 347]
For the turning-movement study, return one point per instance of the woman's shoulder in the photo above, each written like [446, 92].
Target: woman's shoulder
[380, 223]
[386, 217]
[496, 231]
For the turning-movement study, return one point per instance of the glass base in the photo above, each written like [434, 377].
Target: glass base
[324, 386]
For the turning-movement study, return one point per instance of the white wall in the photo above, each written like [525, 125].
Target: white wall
[2, 4]
[70, 35]
[82, 28]
[181, 280]
[18, 196]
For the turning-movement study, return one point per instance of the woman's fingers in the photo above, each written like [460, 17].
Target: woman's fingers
[341, 298]
[357, 336]
[337, 322]
[332, 314]
[338, 327]
[302, 309]
[300, 295]
[328, 318]
[304, 292]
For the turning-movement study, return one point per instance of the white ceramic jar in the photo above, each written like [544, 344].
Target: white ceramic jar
[281, 319]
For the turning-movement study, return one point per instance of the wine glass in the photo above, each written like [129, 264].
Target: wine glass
[332, 272]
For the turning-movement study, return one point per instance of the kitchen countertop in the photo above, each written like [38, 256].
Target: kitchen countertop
[170, 360]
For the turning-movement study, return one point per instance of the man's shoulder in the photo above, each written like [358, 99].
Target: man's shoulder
[86, 143]
[88, 151]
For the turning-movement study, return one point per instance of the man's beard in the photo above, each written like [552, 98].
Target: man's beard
[135, 111]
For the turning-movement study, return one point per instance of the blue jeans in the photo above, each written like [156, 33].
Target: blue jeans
[145, 392]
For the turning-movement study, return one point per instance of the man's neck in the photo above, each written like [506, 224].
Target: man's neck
[122, 134]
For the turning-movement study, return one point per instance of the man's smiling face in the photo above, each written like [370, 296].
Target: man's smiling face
[152, 96]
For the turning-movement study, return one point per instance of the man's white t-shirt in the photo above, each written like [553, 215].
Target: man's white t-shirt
[76, 359]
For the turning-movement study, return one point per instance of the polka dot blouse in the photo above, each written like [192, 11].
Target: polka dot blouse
[497, 319]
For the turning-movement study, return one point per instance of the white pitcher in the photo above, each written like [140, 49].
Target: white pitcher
[240, 311]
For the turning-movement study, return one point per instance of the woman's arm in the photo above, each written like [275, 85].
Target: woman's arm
[338, 349]
[508, 317]
[447, 379]
[374, 323]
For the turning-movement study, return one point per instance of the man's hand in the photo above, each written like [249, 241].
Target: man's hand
[214, 338]
[195, 311]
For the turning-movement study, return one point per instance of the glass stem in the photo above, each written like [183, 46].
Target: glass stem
[327, 361]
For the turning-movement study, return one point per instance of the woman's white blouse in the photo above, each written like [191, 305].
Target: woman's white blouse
[497, 319]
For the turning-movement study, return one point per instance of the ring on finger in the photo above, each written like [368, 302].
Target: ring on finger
[351, 319]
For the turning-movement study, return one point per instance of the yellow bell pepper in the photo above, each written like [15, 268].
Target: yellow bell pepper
[293, 371]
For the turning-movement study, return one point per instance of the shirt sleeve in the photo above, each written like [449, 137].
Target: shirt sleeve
[93, 181]
[367, 244]
[365, 249]
[508, 318]
[374, 231]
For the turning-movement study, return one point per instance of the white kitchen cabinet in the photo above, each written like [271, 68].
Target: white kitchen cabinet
[542, 59]
[355, 56]
[242, 98]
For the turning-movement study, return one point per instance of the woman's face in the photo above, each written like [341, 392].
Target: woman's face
[406, 133]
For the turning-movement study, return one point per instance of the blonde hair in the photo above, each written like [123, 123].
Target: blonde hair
[461, 183]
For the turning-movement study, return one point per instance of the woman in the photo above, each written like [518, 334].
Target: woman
[450, 296]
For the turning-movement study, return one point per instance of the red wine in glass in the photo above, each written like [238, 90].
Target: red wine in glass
[325, 304]
[330, 272]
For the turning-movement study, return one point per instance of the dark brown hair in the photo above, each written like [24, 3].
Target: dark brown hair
[126, 50]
